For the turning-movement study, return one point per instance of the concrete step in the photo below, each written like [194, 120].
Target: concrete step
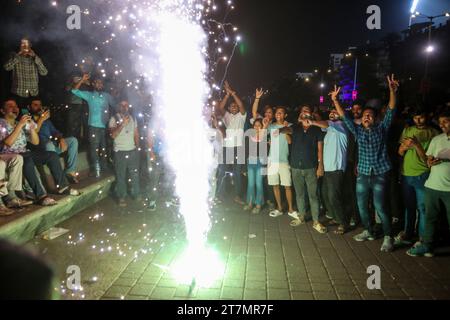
[32, 221]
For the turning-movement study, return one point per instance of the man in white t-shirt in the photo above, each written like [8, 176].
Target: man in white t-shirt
[234, 119]
[124, 132]
[437, 187]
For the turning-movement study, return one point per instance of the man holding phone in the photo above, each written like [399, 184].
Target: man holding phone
[51, 139]
[26, 67]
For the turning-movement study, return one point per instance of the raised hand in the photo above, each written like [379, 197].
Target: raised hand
[228, 88]
[45, 115]
[259, 93]
[393, 84]
[86, 77]
[266, 123]
[335, 93]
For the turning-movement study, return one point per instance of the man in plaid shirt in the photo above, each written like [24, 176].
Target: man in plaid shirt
[26, 67]
[373, 164]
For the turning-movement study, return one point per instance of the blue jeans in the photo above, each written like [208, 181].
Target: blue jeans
[255, 179]
[414, 199]
[72, 153]
[377, 184]
[97, 146]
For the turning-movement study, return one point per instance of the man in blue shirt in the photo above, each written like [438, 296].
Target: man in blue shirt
[51, 139]
[373, 164]
[99, 103]
[334, 162]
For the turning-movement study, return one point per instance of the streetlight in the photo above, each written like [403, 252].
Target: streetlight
[430, 48]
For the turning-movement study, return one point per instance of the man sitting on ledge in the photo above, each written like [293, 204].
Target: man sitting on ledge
[14, 136]
[51, 139]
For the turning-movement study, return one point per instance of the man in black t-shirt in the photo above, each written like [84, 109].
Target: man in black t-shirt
[307, 166]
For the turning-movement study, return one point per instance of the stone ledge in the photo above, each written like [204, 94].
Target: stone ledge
[30, 222]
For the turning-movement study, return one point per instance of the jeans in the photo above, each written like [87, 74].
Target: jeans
[72, 153]
[333, 196]
[255, 181]
[127, 161]
[377, 184]
[51, 159]
[306, 180]
[97, 146]
[433, 201]
[414, 199]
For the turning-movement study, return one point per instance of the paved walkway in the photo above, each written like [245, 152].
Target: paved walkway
[124, 254]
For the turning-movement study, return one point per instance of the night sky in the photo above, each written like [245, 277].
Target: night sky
[280, 38]
[286, 36]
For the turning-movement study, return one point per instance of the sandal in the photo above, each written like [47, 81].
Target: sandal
[319, 227]
[297, 222]
[341, 230]
[47, 202]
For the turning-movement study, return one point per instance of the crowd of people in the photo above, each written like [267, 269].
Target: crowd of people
[339, 165]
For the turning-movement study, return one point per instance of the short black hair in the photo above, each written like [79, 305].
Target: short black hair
[281, 107]
[37, 98]
[445, 114]
[374, 110]
[419, 112]
[8, 99]
[258, 120]
[358, 102]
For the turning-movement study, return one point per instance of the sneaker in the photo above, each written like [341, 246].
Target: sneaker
[294, 215]
[420, 250]
[152, 206]
[402, 239]
[248, 208]
[122, 203]
[364, 236]
[4, 211]
[352, 222]
[275, 213]
[388, 244]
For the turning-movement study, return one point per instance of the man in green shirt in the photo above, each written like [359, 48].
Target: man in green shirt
[437, 187]
[415, 141]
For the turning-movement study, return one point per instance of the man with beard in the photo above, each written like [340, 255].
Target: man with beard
[307, 167]
[335, 161]
[415, 141]
[99, 103]
[373, 164]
